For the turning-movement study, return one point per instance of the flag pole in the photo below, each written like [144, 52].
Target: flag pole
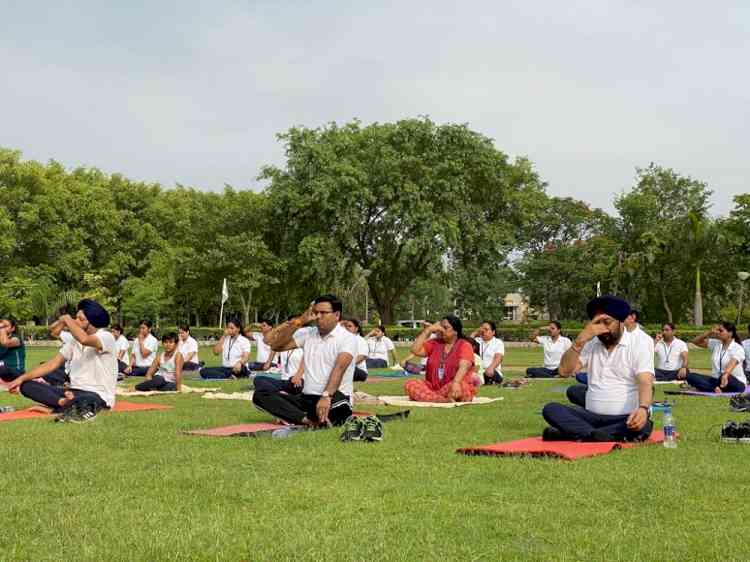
[223, 300]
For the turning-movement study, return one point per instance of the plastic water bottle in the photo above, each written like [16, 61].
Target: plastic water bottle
[7, 409]
[670, 440]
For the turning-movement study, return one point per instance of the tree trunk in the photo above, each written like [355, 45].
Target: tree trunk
[386, 313]
[665, 304]
[698, 305]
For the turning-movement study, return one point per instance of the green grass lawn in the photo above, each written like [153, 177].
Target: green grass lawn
[131, 487]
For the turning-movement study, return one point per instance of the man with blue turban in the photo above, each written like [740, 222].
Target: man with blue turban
[620, 368]
[93, 368]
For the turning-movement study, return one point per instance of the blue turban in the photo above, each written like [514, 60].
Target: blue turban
[95, 313]
[615, 307]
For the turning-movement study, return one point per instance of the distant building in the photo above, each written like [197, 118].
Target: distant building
[516, 308]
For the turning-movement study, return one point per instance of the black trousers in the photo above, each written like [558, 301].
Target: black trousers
[578, 424]
[156, 383]
[58, 377]
[376, 363]
[190, 366]
[708, 384]
[139, 371]
[275, 385]
[664, 375]
[50, 396]
[360, 375]
[541, 373]
[293, 408]
[8, 373]
[121, 366]
[223, 373]
[577, 394]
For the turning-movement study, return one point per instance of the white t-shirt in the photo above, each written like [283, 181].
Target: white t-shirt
[721, 357]
[362, 349]
[613, 385]
[669, 355]
[150, 343]
[66, 338]
[289, 361]
[264, 350]
[746, 347]
[487, 351]
[121, 344]
[644, 338]
[233, 350]
[553, 350]
[187, 347]
[379, 348]
[92, 370]
[320, 357]
[168, 367]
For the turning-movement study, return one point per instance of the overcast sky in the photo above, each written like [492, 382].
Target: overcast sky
[194, 92]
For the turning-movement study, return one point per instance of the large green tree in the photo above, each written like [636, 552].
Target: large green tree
[395, 199]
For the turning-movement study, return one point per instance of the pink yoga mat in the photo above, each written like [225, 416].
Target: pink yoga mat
[120, 406]
[240, 430]
[698, 393]
[568, 450]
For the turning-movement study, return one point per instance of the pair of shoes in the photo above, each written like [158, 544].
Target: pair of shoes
[73, 414]
[362, 429]
[553, 434]
[733, 432]
[740, 403]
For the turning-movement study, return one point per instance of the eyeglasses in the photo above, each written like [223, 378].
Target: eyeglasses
[322, 312]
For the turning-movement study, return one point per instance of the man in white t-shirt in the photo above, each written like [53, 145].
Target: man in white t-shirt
[264, 355]
[144, 350]
[671, 355]
[329, 351]
[122, 349]
[292, 368]
[620, 368]
[93, 368]
[490, 353]
[60, 376]
[746, 347]
[554, 345]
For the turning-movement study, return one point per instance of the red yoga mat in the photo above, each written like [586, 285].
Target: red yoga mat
[568, 450]
[120, 406]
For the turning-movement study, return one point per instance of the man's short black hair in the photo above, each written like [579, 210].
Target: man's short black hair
[169, 336]
[12, 321]
[185, 328]
[146, 323]
[336, 304]
[636, 313]
[491, 324]
[556, 323]
[265, 321]
[116, 327]
[670, 325]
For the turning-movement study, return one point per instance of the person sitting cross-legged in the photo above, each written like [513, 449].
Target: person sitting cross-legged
[234, 349]
[671, 355]
[727, 359]
[620, 370]
[188, 348]
[380, 348]
[145, 346]
[450, 363]
[12, 350]
[329, 351]
[360, 361]
[292, 368]
[491, 351]
[264, 355]
[93, 368]
[165, 373]
[554, 345]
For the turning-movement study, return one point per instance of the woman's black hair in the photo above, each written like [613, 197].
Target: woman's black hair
[492, 325]
[457, 326]
[671, 326]
[732, 329]
[382, 329]
[185, 328]
[146, 323]
[556, 323]
[355, 322]
[237, 322]
[116, 327]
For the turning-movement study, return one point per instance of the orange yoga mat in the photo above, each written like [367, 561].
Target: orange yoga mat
[120, 406]
[250, 429]
[568, 450]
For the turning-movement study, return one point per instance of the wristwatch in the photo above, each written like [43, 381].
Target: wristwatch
[648, 410]
[325, 394]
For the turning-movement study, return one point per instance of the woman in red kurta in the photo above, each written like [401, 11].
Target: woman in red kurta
[450, 362]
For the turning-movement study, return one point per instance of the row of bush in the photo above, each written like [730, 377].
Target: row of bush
[507, 332]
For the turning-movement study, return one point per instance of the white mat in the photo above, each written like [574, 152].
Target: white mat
[404, 401]
[229, 395]
[184, 389]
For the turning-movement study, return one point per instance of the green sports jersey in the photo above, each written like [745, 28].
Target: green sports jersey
[14, 357]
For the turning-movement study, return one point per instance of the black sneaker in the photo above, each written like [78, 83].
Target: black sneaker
[84, 416]
[740, 403]
[353, 429]
[373, 429]
[67, 415]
